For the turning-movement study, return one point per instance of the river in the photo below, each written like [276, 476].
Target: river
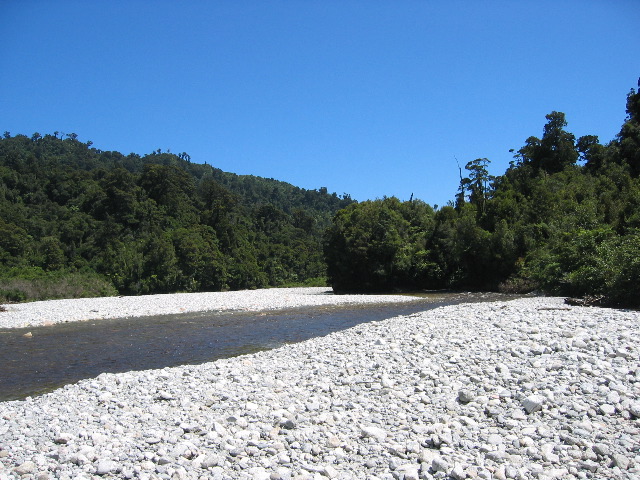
[56, 355]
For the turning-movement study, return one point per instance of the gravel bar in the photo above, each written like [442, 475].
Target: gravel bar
[525, 389]
[80, 309]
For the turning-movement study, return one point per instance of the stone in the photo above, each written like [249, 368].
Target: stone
[613, 397]
[407, 472]
[607, 409]
[439, 465]
[620, 461]
[259, 473]
[558, 473]
[329, 471]
[63, 438]
[79, 459]
[458, 472]
[210, 461]
[601, 449]
[510, 471]
[105, 467]
[164, 395]
[227, 419]
[533, 403]
[427, 456]
[500, 473]
[548, 454]
[288, 424]
[466, 396]
[25, 468]
[333, 442]
[373, 432]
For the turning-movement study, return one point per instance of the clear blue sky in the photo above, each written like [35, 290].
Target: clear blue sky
[370, 98]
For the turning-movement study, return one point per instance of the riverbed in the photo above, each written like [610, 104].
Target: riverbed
[524, 389]
[34, 360]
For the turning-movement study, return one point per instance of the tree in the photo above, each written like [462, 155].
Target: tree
[378, 245]
[628, 139]
[14, 241]
[591, 152]
[478, 184]
[555, 151]
[172, 189]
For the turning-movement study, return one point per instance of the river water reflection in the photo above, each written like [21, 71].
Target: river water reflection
[65, 353]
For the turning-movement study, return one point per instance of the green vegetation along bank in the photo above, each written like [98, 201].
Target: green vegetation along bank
[76, 221]
[563, 219]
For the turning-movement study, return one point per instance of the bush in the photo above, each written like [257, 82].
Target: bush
[309, 282]
[378, 246]
[592, 263]
[517, 285]
[32, 284]
[622, 260]
[12, 296]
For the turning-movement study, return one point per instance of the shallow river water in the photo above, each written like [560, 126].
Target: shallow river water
[65, 353]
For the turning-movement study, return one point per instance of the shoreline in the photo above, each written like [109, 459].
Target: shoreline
[50, 312]
[524, 389]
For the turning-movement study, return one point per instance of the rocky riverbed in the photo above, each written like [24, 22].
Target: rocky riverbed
[81, 309]
[526, 389]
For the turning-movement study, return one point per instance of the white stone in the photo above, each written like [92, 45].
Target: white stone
[607, 409]
[373, 432]
[105, 467]
[25, 468]
[533, 403]
[439, 464]
[408, 471]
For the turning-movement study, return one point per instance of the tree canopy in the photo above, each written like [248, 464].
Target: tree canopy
[563, 219]
[147, 224]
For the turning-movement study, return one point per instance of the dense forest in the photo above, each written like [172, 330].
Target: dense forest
[563, 219]
[78, 221]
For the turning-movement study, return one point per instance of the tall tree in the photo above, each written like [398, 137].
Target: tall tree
[629, 136]
[555, 151]
[478, 183]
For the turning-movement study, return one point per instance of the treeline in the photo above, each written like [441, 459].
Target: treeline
[563, 219]
[78, 221]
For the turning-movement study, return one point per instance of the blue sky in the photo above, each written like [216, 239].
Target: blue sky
[370, 98]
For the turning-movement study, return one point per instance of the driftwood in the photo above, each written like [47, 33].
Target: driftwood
[588, 301]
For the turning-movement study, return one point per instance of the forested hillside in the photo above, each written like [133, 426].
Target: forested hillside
[563, 219]
[75, 221]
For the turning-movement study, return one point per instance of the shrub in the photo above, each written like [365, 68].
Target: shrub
[32, 284]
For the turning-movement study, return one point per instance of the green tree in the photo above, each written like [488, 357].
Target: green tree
[478, 183]
[172, 189]
[373, 246]
[555, 151]
[628, 140]
[14, 242]
[53, 257]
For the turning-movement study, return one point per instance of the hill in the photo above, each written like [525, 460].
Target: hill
[76, 221]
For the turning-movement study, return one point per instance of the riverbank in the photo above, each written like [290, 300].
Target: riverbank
[81, 309]
[526, 389]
